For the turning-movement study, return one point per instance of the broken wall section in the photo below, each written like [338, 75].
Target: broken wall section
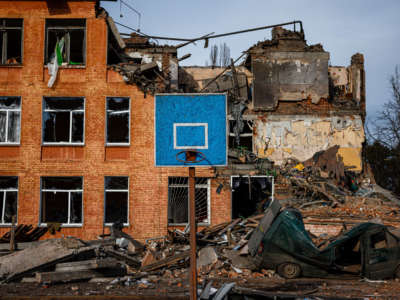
[281, 137]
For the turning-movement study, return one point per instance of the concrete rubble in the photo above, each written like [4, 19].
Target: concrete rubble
[312, 186]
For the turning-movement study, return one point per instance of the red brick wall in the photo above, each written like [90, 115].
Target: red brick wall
[148, 184]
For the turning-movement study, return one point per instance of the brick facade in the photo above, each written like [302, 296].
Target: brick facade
[31, 160]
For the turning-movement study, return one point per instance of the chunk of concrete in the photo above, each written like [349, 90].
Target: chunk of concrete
[207, 256]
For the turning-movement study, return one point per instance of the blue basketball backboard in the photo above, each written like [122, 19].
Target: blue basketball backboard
[190, 122]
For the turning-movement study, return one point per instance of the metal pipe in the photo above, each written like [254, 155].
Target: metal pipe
[218, 35]
[193, 247]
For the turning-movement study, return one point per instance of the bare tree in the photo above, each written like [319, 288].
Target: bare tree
[386, 126]
[213, 56]
[224, 55]
[383, 150]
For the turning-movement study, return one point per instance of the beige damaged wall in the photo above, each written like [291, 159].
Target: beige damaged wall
[282, 137]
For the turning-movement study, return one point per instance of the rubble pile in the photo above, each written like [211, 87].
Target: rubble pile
[323, 184]
[222, 253]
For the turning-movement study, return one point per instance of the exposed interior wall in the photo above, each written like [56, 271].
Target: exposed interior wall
[281, 137]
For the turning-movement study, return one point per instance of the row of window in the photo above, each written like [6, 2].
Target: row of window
[62, 200]
[64, 120]
[65, 41]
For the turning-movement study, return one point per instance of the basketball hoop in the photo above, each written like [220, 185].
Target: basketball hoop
[191, 156]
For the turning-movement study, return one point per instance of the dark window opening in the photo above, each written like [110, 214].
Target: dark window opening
[61, 200]
[63, 120]
[178, 200]
[65, 41]
[116, 199]
[8, 199]
[118, 114]
[114, 54]
[10, 120]
[11, 41]
[245, 136]
[251, 195]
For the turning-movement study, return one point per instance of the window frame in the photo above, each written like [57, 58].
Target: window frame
[68, 224]
[68, 28]
[44, 143]
[2, 223]
[6, 143]
[119, 190]
[197, 185]
[266, 176]
[110, 144]
[3, 31]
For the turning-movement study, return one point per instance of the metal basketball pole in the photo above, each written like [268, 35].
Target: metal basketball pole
[193, 229]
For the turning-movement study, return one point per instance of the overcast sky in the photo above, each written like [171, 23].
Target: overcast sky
[343, 27]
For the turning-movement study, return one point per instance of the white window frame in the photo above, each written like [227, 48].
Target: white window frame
[44, 143]
[2, 223]
[7, 118]
[264, 176]
[68, 224]
[110, 190]
[129, 122]
[198, 185]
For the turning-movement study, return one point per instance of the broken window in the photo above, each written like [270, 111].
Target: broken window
[116, 197]
[61, 200]
[10, 120]
[245, 136]
[8, 198]
[65, 41]
[178, 200]
[11, 41]
[63, 120]
[251, 195]
[118, 116]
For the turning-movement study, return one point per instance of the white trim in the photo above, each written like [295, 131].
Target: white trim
[7, 111]
[205, 125]
[68, 224]
[71, 111]
[197, 185]
[2, 223]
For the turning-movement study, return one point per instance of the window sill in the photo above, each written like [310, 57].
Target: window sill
[110, 224]
[118, 145]
[12, 66]
[68, 67]
[185, 224]
[3, 225]
[62, 144]
[10, 144]
[63, 225]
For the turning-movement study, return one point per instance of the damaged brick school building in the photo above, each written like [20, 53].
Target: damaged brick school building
[77, 121]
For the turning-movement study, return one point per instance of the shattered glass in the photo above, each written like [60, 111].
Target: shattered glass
[3, 122]
[57, 127]
[54, 207]
[62, 183]
[76, 207]
[13, 126]
[116, 183]
[10, 206]
[118, 120]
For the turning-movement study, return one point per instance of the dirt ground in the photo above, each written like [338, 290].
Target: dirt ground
[354, 288]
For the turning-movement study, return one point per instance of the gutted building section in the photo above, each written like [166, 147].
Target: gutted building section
[287, 102]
